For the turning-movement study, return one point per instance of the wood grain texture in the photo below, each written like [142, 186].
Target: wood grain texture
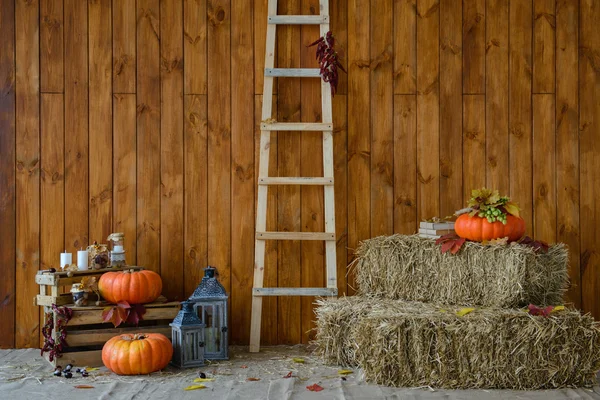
[194, 46]
[544, 40]
[27, 171]
[148, 134]
[76, 121]
[450, 108]
[496, 92]
[473, 144]
[589, 126]
[520, 169]
[289, 322]
[544, 167]
[338, 17]
[473, 41]
[269, 318]
[52, 78]
[340, 157]
[243, 182]
[382, 105]
[125, 172]
[100, 119]
[428, 118]
[195, 201]
[359, 143]
[405, 164]
[171, 149]
[405, 46]
[567, 139]
[7, 175]
[260, 35]
[124, 46]
[311, 164]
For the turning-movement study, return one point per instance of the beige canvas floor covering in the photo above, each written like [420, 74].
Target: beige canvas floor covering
[25, 375]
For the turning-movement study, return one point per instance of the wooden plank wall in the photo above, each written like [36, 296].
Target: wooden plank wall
[142, 116]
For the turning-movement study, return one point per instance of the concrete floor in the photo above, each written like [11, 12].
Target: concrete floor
[25, 375]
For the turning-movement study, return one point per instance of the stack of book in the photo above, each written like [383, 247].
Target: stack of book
[434, 230]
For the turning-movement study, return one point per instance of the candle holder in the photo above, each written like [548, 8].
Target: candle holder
[117, 255]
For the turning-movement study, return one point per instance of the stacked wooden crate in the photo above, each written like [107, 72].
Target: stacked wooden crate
[434, 230]
[86, 330]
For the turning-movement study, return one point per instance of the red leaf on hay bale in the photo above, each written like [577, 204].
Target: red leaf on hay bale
[450, 242]
[314, 388]
[538, 245]
[544, 312]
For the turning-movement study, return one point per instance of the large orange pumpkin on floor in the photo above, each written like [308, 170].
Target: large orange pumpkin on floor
[138, 354]
[479, 229]
[136, 287]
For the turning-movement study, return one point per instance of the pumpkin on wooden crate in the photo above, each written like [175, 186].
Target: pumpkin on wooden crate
[137, 354]
[134, 287]
[491, 217]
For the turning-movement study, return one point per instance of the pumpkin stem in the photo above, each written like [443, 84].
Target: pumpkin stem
[139, 336]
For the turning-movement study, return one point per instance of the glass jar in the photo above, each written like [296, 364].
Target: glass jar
[117, 254]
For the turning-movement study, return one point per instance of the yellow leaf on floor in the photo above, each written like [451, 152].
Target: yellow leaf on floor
[345, 371]
[88, 369]
[299, 360]
[194, 387]
[203, 379]
[464, 311]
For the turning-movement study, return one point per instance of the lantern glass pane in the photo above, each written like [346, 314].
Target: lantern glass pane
[212, 331]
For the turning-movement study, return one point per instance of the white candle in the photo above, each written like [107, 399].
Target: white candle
[118, 249]
[65, 259]
[82, 260]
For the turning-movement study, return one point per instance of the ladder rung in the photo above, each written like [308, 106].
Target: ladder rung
[293, 72]
[294, 291]
[295, 181]
[296, 126]
[299, 19]
[295, 236]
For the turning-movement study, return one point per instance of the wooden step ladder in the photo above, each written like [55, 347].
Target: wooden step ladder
[264, 180]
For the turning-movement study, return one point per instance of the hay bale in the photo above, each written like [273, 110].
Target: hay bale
[413, 268]
[411, 344]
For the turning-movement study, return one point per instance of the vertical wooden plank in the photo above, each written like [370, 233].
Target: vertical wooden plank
[473, 144]
[7, 174]
[51, 46]
[242, 165]
[520, 138]
[100, 114]
[268, 331]
[125, 172]
[359, 143]
[171, 149]
[544, 167]
[589, 148]
[52, 186]
[496, 95]
[450, 107]
[567, 139]
[544, 46]
[382, 103]
[28, 170]
[148, 134]
[196, 191]
[340, 177]
[311, 164]
[194, 46]
[288, 208]
[428, 118]
[405, 164]
[259, 19]
[473, 40]
[338, 17]
[405, 46]
[124, 52]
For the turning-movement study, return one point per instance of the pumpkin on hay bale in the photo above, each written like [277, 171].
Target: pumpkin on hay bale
[414, 268]
[400, 343]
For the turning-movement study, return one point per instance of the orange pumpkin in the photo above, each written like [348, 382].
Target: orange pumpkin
[479, 229]
[137, 287]
[142, 353]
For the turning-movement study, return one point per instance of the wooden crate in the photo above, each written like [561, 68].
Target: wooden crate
[54, 287]
[86, 332]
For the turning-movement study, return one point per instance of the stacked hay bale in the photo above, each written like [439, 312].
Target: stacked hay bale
[422, 318]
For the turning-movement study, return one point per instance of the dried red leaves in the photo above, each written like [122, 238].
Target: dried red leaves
[538, 245]
[450, 242]
[123, 312]
[55, 347]
[315, 388]
[329, 60]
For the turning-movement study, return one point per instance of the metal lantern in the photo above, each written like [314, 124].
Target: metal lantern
[187, 338]
[210, 304]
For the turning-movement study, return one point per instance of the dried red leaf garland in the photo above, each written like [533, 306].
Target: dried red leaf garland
[450, 242]
[55, 347]
[329, 60]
